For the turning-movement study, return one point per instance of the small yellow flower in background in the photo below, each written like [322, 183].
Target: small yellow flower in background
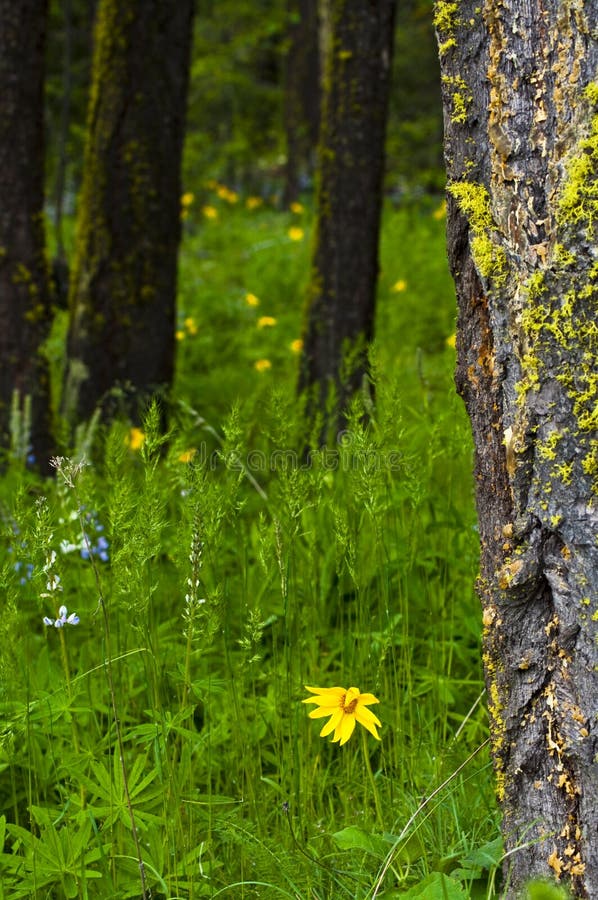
[440, 213]
[296, 345]
[266, 321]
[210, 212]
[295, 233]
[187, 199]
[399, 286]
[344, 708]
[190, 325]
[180, 335]
[212, 184]
[296, 208]
[262, 365]
[226, 194]
[135, 438]
[253, 202]
[251, 300]
[451, 341]
[187, 455]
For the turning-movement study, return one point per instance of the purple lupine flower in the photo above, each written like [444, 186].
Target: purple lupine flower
[63, 618]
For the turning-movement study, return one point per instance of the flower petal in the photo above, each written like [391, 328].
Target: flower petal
[367, 699]
[331, 690]
[363, 715]
[345, 729]
[323, 711]
[333, 723]
[366, 724]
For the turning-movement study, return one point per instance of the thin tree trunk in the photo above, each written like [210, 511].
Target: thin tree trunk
[342, 293]
[24, 282]
[302, 94]
[122, 295]
[521, 128]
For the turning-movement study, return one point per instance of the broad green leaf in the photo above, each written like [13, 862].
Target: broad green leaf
[354, 838]
[437, 886]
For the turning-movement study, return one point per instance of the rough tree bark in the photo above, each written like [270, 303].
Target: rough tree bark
[521, 129]
[122, 294]
[342, 293]
[24, 281]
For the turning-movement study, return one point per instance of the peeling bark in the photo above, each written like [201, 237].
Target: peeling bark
[521, 147]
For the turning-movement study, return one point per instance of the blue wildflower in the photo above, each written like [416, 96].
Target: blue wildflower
[63, 618]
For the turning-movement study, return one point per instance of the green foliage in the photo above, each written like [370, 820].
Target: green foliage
[231, 573]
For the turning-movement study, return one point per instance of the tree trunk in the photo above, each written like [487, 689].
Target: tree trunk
[302, 94]
[521, 145]
[342, 293]
[122, 295]
[24, 281]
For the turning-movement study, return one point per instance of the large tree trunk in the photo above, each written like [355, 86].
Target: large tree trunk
[123, 290]
[302, 94]
[521, 124]
[24, 282]
[342, 293]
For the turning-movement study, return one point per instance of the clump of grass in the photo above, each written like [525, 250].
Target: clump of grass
[231, 573]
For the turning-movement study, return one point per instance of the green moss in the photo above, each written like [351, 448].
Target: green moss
[446, 22]
[488, 255]
[461, 97]
[579, 198]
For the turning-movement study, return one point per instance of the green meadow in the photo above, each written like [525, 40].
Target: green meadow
[217, 562]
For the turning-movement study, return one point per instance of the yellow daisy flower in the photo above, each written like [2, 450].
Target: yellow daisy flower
[210, 212]
[262, 365]
[344, 707]
[190, 325]
[296, 345]
[296, 208]
[440, 212]
[187, 455]
[451, 341]
[399, 286]
[187, 199]
[253, 202]
[295, 233]
[252, 300]
[179, 335]
[266, 321]
[135, 438]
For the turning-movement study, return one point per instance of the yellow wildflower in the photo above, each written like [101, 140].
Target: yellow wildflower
[135, 438]
[295, 233]
[440, 213]
[253, 202]
[344, 708]
[190, 325]
[296, 345]
[266, 321]
[179, 335]
[451, 341]
[226, 194]
[187, 455]
[210, 212]
[296, 208]
[399, 286]
[187, 199]
[251, 300]
[262, 365]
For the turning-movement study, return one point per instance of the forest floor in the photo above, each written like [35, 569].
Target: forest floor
[214, 574]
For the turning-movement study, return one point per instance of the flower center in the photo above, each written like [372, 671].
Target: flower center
[350, 707]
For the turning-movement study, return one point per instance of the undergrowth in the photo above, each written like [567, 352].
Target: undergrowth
[215, 570]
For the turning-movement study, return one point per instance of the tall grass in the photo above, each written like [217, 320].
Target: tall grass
[215, 574]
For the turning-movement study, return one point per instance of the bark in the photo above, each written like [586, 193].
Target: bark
[521, 145]
[122, 295]
[342, 293]
[302, 94]
[24, 282]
